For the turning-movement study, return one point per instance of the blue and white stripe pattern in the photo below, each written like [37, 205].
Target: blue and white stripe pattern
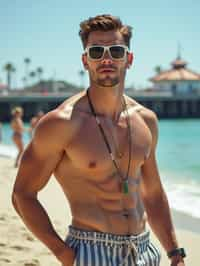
[104, 249]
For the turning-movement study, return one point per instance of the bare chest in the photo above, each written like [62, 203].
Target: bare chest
[89, 151]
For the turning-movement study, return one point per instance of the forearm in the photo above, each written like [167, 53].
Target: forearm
[159, 218]
[37, 220]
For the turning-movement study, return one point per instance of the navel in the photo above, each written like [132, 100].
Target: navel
[92, 164]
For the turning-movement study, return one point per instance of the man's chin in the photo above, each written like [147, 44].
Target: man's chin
[108, 82]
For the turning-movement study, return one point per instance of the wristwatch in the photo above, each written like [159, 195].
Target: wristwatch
[176, 251]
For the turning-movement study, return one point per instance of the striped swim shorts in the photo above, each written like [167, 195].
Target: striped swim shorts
[105, 249]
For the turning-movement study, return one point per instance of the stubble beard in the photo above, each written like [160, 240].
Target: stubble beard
[107, 81]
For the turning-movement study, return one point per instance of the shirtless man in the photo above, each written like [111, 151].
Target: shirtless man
[100, 145]
[17, 126]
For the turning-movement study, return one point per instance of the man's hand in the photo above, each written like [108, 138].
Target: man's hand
[66, 257]
[177, 261]
[180, 263]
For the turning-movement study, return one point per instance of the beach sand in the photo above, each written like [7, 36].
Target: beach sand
[18, 247]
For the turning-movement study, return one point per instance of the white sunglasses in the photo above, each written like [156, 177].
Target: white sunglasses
[97, 52]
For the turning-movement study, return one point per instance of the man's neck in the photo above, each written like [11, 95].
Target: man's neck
[107, 101]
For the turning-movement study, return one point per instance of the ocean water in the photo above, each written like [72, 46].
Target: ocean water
[178, 156]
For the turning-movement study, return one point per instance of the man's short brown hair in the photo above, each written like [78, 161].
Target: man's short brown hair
[104, 23]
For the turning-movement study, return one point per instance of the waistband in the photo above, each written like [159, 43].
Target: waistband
[138, 243]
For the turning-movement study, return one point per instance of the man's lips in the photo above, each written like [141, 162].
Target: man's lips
[106, 70]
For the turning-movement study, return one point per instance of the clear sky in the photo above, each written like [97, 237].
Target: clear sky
[47, 32]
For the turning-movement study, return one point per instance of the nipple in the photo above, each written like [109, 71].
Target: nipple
[92, 164]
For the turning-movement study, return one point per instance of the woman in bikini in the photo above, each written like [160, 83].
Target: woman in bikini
[17, 126]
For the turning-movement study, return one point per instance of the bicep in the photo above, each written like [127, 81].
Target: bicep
[151, 186]
[37, 165]
[151, 183]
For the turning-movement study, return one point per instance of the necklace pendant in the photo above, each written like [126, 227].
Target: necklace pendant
[125, 187]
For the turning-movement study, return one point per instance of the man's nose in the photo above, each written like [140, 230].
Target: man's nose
[107, 58]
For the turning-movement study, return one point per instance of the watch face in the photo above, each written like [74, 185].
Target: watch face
[177, 251]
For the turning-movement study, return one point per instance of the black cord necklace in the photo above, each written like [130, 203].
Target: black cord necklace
[125, 188]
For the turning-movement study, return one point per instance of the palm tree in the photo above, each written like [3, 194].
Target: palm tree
[9, 68]
[27, 62]
[82, 75]
[32, 74]
[158, 69]
[39, 72]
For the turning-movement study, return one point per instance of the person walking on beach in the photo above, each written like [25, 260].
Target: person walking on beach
[17, 126]
[100, 145]
[34, 121]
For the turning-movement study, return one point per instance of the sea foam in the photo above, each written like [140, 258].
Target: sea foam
[184, 198]
[8, 151]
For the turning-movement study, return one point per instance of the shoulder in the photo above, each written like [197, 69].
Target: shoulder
[58, 127]
[148, 116]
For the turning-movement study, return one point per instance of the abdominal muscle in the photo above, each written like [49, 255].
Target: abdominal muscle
[122, 214]
[110, 222]
[97, 202]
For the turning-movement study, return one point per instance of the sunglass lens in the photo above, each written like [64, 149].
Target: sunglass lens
[117, 52]
[96, 52]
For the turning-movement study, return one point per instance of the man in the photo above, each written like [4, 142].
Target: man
[100, 145]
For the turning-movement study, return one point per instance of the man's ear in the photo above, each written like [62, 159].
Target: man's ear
[84, 61]
[130, 58]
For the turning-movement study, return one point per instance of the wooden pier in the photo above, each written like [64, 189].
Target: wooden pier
[177, 106]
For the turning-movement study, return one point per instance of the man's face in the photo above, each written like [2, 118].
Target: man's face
[107, 71]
